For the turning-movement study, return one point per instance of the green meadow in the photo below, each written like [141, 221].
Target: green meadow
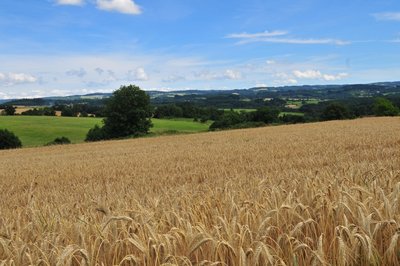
[39, 130]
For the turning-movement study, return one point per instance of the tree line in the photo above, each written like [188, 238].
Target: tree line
[128, 112]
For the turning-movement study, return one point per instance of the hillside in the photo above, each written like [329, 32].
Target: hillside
[318, 193]
[240, 98]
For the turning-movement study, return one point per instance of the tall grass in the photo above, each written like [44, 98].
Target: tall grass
[313, 194]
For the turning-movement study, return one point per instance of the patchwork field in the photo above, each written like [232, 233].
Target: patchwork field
[310, 194]
[39, 130]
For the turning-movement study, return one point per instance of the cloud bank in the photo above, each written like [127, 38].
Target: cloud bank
[122, 6]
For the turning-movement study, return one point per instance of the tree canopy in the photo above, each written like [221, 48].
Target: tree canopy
[127, 113]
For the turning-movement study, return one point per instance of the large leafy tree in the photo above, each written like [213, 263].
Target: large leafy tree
[127, 113]
[335, 111]
[384, 107]
[10, 110]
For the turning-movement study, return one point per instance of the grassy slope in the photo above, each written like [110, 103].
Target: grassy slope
[39, 130]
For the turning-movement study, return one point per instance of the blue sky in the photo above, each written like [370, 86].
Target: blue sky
[64, 47]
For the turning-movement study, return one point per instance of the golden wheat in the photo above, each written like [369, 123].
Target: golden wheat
[312, 194]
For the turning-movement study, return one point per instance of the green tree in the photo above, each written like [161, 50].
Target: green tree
[9, 110]
[127, 113]
[8, 140]
[384, 107]
[265, 114]
[335, 111]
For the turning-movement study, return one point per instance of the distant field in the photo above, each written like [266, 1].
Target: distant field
[308, 194]
[291, 113]
[39, 130]
[295, 104]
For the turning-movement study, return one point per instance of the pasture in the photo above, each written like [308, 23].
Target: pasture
[39, 130]
[309, 194]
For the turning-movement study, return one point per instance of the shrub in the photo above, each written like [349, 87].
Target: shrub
[59, 141]
[8, 140]
[96, 134]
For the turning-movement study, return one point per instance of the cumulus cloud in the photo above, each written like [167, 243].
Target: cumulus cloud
[70, 2]
[228, 74]
[316, 74]
[10, 79]
[76, 72]
[281, 37]
[122, 6]
[387, 16]
[284, 78]
[138, 74]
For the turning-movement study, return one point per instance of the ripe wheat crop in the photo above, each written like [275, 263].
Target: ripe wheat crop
[312, 194]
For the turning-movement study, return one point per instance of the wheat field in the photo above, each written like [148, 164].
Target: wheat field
[312, 194]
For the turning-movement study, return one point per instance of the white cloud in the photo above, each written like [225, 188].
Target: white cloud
[308, 74]
[246, 35]
[271, 62]
[76, 72]
[10, 79]
[228, 74]
[280, 37]
[138, 74]
[232, 74]
[284, 79]
[316, 74]
[70, 2]
[387, 16]
[122, 6]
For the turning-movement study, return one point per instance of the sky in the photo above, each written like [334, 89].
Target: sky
[67, 47]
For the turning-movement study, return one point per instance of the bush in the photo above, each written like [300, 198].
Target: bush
[384, 107]
[59, 141]
[8, 140]
[96, 134]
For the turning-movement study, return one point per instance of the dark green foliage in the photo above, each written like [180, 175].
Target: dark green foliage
[384, 107]
[8, 140]
[128, 113]
[335, 111]
[187, 110]
[9, 110]
[228, 119]
[59, 141]
[96, 134]
[292, 119]
[232, 119]
[69, 112]
[46, 111]
[266, 115]
[170, 110]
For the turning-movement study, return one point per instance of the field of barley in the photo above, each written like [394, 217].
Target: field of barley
[312, 194]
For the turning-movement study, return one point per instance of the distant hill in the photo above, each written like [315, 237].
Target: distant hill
[240, 98]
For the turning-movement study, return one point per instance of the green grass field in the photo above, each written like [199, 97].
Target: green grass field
[39, 130]
[299, 103]
[291, 113]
